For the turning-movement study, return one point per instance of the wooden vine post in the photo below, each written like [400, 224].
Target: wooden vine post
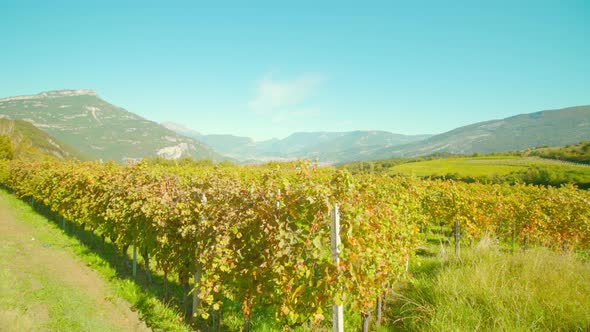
[337, 309]
[513, 237]
[134, 261]
[198, 272]
[457, 238]
[134, 254]
[366, 319]
[442, 245]
[379, 309]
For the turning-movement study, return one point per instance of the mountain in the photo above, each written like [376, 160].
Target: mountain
[82, 120]
[337, 146]
[96, 128]
[227, 145]
[328, 147]
[552, 127]
[30, 142]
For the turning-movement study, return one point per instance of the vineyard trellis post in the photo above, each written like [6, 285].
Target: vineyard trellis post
[379, 309]
[134, 252]
[337, 309]
[198, 271]
[513, 237]
[134, 260]
[457, 239]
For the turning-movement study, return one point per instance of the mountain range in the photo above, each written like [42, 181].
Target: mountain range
[99, 130]
[553, 128]
[328, 147]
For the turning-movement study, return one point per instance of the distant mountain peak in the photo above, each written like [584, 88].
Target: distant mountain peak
[54, 94]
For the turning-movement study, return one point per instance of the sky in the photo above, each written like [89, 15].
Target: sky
[268, 69]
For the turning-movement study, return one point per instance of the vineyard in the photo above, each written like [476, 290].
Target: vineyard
[260, 236]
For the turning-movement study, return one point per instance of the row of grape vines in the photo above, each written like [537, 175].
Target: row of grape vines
[260, 236]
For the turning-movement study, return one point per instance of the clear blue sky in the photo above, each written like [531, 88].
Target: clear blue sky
[266, 69]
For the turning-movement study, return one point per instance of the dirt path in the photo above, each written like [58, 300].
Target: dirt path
[44, 287]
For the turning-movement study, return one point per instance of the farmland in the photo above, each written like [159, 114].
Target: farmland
[486, 169]
[247, 247]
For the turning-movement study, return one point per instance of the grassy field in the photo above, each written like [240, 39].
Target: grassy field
[488, 166]
[490, 289]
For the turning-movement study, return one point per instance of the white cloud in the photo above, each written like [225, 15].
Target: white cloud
[282, 99]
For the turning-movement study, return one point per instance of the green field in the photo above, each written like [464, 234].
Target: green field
[491, 167]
